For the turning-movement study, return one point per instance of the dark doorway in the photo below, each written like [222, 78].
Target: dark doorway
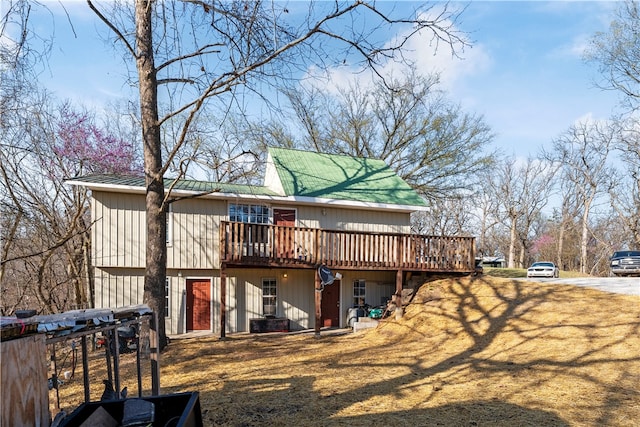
[285, 217]
[330, 305]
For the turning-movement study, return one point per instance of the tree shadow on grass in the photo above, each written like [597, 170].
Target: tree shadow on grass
[472, 319]
[293, 402]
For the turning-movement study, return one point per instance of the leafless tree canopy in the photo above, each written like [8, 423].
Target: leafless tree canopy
[617, 54]
[408, 122]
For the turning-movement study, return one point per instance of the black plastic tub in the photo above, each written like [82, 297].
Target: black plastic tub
[170, 410]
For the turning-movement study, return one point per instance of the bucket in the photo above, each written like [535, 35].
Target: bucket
[352, 316]
[375, 313]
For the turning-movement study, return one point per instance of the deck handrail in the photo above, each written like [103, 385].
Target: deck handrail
[288, 246]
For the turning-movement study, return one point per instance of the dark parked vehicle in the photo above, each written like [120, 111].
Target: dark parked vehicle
[625, 263]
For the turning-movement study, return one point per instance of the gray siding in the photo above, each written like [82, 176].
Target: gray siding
[119, 230]
[119, 233]
[354, 219]
[294, 301]
[195, 231]
[118, 287]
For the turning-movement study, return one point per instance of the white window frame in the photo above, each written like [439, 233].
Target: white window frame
[169, 220]
[262, 217]
[270, 284]
[359, 292]
[167, 297]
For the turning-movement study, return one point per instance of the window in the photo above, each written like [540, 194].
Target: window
[359, 289]
[169, 219]
[254, 214]
[269, 297]
[251, 214]
[167, 296]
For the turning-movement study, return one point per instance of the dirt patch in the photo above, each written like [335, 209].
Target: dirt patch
[468, 352]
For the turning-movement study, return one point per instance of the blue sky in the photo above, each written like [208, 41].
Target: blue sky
[525, 73]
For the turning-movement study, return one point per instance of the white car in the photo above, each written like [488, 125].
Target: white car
[543, 269]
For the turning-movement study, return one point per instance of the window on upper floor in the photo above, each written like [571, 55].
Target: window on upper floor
[253, 214]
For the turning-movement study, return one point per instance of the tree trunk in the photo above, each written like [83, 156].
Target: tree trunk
[156, 251]
[512, 244]
[523, 254]
[560, 246]
[89, 274]
[585, 237]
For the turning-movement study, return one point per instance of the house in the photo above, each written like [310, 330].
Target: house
[494, 261]
[258, 248]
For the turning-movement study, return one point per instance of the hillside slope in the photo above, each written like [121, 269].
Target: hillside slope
[468, 352]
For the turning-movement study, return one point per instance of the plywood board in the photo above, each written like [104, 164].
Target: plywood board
[23, 382]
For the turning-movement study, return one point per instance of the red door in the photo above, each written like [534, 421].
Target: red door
[284, 243]
[284, 217]
[198, 305]
[330, 305]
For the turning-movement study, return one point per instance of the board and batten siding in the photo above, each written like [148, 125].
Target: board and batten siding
[119, 232]
[294, 300]
[295, 294]
[353, 219]
[194, 233]
[118, 287]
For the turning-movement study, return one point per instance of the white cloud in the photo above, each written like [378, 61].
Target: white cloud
[429, 55]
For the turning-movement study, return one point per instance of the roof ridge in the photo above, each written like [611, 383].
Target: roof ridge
[306, 152]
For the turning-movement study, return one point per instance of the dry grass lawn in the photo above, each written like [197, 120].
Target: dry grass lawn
[468, 352]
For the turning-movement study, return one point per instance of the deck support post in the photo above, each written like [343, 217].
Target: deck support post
[398, 296]
[223, 305]
[318, 302]
[154, 343]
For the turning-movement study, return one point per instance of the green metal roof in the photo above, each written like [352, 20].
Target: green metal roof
[332, 176]
[302, 174]
[182, 185]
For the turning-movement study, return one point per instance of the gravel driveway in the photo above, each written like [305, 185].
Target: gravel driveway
[618, 285]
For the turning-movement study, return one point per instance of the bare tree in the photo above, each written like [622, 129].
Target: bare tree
[522, 190]
[625, 188]
[45, 261]
[617, 53]
[221, 154]
[487, 213]
[450, 217]
[408, 122]
[582, 152]
[199, 52]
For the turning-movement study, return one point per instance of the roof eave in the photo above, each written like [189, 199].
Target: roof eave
[118, 188]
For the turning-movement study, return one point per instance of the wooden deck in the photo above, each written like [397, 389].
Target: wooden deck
[258, 245]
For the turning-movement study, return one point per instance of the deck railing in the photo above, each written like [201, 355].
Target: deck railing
[274, 245]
